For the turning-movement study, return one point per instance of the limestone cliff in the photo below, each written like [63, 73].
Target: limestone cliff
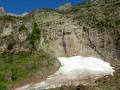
[87, 30]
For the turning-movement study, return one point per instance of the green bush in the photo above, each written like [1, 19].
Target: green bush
[34, 35]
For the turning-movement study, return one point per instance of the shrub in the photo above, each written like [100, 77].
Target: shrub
[34, 35]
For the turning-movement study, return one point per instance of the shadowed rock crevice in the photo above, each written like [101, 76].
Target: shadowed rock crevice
[92, 45]
[64, 44]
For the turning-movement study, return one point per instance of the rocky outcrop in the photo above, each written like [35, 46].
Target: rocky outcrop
[2, 11]
[85, 30]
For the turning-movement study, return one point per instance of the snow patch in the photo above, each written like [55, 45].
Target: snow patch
[74, 71]
[76, 64]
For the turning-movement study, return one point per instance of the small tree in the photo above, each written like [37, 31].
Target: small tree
[35, 35]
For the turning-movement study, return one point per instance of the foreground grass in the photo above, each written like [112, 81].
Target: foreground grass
[15, 68]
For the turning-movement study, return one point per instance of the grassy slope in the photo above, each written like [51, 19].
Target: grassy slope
[15, 68]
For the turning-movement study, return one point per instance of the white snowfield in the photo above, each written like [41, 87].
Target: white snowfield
[74, 71]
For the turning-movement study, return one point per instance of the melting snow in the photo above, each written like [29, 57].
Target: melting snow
[76, 64]
[74, 71]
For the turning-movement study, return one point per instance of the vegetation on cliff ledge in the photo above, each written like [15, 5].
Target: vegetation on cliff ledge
[35, 35]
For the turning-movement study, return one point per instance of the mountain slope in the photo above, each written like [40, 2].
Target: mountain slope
[91, 29]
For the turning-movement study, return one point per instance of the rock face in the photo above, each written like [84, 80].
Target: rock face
[86, 30]
[2, 11]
